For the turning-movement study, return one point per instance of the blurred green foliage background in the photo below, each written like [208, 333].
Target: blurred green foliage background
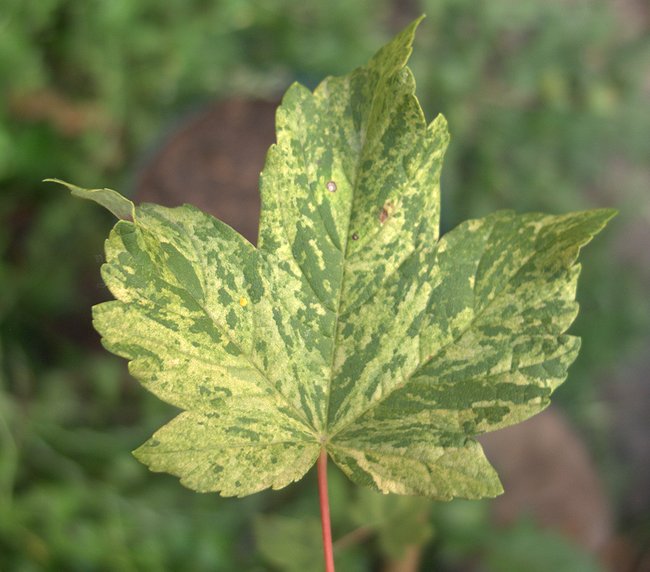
[547, 102]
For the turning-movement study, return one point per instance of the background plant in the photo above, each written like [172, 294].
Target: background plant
[573, 133]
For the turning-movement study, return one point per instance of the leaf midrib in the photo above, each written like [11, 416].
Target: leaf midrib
[231, 445]
[357, 170]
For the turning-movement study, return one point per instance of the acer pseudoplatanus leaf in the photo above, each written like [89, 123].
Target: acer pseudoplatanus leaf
[352, 326]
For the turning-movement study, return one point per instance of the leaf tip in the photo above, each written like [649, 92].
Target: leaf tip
[600, 218]
[120, 206]
[608, 214]
[394, 55]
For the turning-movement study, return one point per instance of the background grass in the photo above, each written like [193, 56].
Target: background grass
[547, 103]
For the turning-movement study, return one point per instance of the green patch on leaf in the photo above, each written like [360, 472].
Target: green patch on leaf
[352, 326]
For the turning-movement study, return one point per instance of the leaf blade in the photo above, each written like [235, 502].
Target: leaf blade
[229, 453]
[479, 364]
[442, 473]
[353, 326]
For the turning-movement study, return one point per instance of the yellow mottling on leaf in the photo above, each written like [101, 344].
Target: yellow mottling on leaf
[392, 353]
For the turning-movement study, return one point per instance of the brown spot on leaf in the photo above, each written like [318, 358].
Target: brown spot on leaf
[385, 212]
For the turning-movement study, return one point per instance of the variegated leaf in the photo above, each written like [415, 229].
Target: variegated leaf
[352, 326]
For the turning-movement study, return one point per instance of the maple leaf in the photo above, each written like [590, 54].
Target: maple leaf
[352, 326]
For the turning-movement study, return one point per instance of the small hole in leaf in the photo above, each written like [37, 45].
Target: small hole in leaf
[355, 236]
[331, 186]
